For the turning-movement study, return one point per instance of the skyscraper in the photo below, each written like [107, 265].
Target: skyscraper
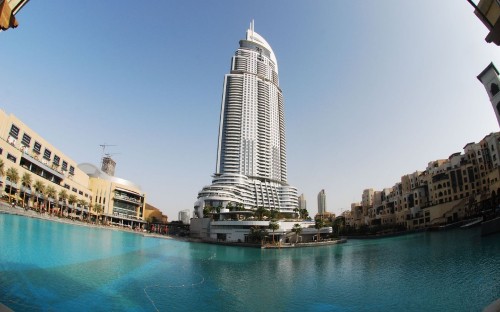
[251, 157]
[302, 202]
[321, 202]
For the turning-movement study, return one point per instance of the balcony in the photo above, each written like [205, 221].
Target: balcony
[43, 166]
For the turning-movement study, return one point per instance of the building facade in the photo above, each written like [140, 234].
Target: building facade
[85, 186]
[251, 166]
[122, 201]
[24, 150]
[448, 190]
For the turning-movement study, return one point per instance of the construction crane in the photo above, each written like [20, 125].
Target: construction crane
[104, 145]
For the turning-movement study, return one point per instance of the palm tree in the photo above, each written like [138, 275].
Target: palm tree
[260, 212]
[2, 173]
[26, 181]
[82, 203]
[40, 188]
[72, 200]
[304, 213]
[98, 209]
[13, 177]
[63, 196]
[318, 225]
[297, 230]
[50, 192]
[273, 225]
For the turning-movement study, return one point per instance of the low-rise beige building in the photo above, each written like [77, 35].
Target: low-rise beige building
[447, 191]
[79, 189]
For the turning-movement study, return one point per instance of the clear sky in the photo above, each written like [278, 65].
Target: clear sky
[373, 89]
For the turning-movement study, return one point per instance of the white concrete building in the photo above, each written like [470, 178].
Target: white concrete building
[251, 157]
[491, 82]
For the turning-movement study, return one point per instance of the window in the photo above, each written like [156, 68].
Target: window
[14, 131]
[1, 151]
[74, 189]
[72, 170]
[26, 140]
[56, 160]
[494, 89]
[37, 148]
[66, 186]
[11, 158]
[80, 192]
[64, 166]
[46, 154]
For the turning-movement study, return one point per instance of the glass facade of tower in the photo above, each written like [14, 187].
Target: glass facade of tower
[251, 156]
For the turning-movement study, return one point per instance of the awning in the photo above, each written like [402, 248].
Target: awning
[7, 19]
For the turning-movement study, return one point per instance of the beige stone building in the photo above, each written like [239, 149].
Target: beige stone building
[28, 153]
[447, 191]
[23, 149]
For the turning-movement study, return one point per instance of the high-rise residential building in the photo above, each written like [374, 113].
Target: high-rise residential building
[321, 202]
[491, 82]
[251, 166]
[302, 202]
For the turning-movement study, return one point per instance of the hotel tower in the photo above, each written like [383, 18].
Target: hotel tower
[251, 156]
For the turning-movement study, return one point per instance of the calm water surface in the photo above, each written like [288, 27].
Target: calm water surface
[50, 266]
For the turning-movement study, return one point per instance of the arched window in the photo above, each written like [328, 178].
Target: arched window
[494, 89]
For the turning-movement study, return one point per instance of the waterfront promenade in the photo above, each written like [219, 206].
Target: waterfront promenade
[17, 210]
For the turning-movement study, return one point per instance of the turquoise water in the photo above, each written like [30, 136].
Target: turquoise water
[50, 266]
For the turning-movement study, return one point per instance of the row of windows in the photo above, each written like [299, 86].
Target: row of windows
[37, 148]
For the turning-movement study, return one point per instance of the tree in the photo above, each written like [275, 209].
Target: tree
[63, 196]
[304, 213]
[82, 203]
[256, 234]
[40, 189]
[50, 192]
[27, 182]
[13, 177]
[98, 209]
[229, 206]
[72, 200]
[318, 225]
[260, 212]
[273, 225]
[297, 230]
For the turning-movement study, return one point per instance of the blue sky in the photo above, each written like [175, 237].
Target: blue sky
[373, 89]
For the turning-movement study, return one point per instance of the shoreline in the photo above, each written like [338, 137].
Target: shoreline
[19, 211]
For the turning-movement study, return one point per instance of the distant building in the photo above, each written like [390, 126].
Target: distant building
[488, 12]
[302, 202]
[491, 82]
[154, 215]
[321, 202]
[184, 216]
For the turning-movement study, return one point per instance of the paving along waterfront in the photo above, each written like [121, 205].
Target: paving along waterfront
[47, 265]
